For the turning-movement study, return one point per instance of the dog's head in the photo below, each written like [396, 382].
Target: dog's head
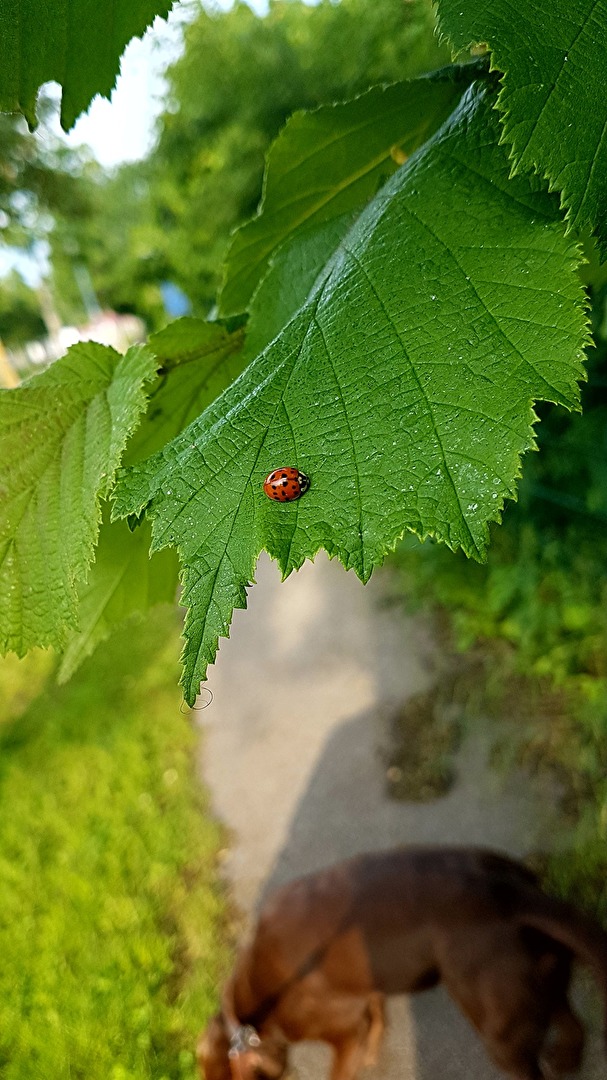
[246, 1057]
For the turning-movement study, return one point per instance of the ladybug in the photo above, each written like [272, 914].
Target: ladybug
[286, 485]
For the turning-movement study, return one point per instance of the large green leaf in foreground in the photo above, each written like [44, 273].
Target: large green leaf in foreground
[62, 435]
[77, 44]
[554, 101]
[403, 387]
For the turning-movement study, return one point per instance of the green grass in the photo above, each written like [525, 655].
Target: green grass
[21, 681]
[112, 928]
[528, 630]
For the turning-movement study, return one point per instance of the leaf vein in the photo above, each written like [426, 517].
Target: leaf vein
[421, 390]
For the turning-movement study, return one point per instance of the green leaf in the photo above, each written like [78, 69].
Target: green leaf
[197, 360]
[124, 581]
[292, 271]
[553, 100]
[403, 387]
[329, 162]
[76, 44]
[62, 435]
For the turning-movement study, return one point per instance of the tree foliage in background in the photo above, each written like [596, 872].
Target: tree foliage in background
[38, 179]
[410, 288]
[42, 182]
[20, 318]
[116, 242]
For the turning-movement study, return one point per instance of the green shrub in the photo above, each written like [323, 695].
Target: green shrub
[110, 921]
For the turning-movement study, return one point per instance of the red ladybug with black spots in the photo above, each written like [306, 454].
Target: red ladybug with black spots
[286, 485]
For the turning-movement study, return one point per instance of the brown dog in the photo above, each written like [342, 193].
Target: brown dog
[328, 947]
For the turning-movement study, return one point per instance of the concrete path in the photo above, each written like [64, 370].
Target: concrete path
[292, 756]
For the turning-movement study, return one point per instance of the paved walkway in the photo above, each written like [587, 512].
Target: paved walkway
[292, 756]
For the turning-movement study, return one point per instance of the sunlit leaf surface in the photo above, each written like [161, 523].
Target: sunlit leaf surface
[403, 386]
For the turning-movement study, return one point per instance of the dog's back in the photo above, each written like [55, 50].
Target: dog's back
[385, 900]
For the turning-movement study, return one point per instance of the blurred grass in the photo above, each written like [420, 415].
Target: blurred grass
[21, 681]
[111, 925]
